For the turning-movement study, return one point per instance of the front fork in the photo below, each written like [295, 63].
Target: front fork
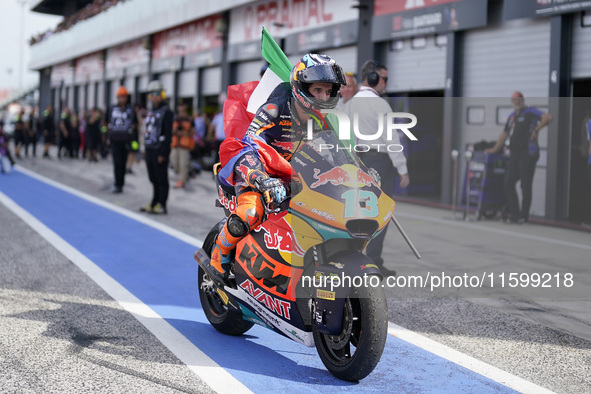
[333, 282]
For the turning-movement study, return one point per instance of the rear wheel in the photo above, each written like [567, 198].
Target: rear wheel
[226, 321]
[355, 352]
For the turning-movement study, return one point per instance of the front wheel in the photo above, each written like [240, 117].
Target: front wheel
[224, 320]
[355, 352]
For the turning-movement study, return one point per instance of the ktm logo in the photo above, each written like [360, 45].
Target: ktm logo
[285, 123]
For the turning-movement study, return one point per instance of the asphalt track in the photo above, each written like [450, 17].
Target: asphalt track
[148, 268]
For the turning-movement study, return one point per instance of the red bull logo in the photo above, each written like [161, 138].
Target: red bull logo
[365, 178]
[348, 175]
[228, 204]
[279, 236]
[336, 176]
[243, 171]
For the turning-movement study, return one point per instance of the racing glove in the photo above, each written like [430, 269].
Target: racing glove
[375, 175]
[273, 191]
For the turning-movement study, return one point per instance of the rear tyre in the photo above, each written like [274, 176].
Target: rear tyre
[226, 321]
[355, 352]
[223, 319]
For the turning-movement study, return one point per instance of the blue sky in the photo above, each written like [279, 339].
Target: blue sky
[10, 31]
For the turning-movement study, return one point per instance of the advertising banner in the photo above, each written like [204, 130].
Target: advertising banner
[538, 8]
[133, 56]
[285, 19]
[198, 41]
[89, 67]
[397, 19]
[62, 73]
[333, 36]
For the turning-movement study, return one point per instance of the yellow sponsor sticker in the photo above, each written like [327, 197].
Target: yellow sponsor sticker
[325, 295]
[318, 276]
[223, 296]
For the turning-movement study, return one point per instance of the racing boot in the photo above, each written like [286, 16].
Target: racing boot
[220, 264]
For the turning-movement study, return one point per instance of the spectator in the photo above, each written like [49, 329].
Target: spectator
[347, 91]
[182, 145]
[6, 161]
[122, 131]
[33, 133]
[90, 10]
[65, 128]
[104, 141]
[200, 131]
[369, 106]
[523, 126]
[20, 133]
[48, 130]
[82, 119]
[216, 133]
[158, 136]
[75, 130]
[93, 134]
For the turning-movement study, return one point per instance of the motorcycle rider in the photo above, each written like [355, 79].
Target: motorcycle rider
[258, 164]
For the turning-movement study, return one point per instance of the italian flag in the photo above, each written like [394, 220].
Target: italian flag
[245, 99]
[278, 71]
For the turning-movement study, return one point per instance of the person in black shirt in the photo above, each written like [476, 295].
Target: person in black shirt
[65, 140]
[122, 126]
[158, 136]
[47, 130]
[33, 133]
[20, 133]
[93, 134]
[523, 126]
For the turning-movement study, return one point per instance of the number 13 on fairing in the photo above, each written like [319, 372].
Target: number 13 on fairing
[364, 200]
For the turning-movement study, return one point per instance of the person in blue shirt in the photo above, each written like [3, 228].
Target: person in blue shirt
[523, 126]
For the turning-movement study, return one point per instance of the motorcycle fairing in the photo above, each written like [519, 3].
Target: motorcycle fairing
[257, 312]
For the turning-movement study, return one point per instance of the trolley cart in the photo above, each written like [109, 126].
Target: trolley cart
[486, 174]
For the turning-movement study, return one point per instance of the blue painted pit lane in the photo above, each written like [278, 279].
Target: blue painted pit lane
[159, 270]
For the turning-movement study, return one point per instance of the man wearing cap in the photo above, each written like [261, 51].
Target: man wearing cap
[122, 130]
[158, 137]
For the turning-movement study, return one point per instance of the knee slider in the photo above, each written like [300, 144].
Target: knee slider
[236, 226]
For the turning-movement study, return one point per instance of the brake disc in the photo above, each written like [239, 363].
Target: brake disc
[338, 342]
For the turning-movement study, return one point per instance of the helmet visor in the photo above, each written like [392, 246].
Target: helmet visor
[330, 73]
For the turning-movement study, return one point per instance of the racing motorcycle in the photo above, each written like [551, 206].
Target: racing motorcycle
[302, 273]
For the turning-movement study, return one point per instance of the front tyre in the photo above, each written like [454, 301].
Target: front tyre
[224, 320]
[355, 352]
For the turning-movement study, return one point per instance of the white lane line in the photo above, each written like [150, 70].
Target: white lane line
[468, 362]
[125, 212]
[449, 222]
[204, 367]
